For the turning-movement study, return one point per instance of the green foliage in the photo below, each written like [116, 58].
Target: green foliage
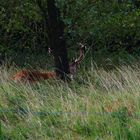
[105, 109]
[104, 24]
[100, 24]
[21, 26]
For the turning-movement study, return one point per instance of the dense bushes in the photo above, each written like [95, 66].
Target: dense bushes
[100, 24]
[108, 24]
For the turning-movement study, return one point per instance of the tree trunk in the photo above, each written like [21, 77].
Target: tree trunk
[56, 37]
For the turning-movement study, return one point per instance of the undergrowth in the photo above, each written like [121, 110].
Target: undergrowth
[99, 104]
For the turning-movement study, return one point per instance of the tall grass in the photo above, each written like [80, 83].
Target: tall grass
[99, 104]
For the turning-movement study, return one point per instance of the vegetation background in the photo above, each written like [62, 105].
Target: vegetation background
[104, 100]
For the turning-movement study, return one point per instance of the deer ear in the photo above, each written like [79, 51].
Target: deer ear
[49, 51]
[75, 61]
[83, 46]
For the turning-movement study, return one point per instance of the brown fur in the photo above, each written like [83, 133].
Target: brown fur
[32, 76]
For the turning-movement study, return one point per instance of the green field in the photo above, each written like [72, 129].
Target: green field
[100, 104]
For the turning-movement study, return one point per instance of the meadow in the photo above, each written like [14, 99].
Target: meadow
[103, 101]
[101, 104]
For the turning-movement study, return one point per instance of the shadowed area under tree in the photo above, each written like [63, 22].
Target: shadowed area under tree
[56, 37]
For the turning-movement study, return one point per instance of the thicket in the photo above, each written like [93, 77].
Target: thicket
[112, 25]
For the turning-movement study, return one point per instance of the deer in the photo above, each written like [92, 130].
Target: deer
[32, 76]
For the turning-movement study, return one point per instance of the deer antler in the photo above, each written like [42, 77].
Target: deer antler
[73, 65]
[81, 56]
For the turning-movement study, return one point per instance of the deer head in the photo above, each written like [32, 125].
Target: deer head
[75, 62]
[73, 65]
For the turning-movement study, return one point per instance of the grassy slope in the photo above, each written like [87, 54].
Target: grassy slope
[100, 104]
